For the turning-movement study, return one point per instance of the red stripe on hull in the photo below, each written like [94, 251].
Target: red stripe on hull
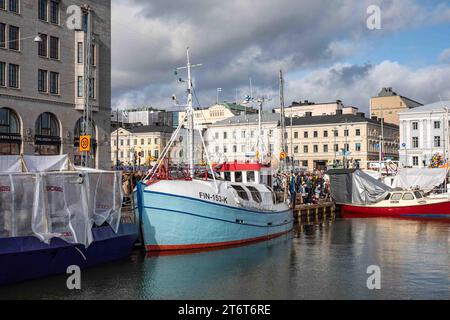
[211, 245]
[348, 211]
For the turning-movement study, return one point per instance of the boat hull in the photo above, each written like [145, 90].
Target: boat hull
[439, 210]
[26, 258]
[171, 222]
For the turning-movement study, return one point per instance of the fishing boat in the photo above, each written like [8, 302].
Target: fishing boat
[198, 210]
[53, 216]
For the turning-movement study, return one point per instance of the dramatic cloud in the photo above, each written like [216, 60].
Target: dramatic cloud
[239, 39]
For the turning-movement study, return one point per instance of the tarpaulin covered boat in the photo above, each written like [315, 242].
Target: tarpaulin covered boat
[52, 217]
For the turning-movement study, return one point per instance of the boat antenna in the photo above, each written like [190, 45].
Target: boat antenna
[282, 122]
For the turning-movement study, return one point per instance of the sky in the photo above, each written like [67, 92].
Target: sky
[325, 49]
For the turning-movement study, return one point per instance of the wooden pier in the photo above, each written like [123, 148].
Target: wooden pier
[315, 212]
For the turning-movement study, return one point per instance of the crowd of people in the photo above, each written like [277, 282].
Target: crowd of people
[302, 187]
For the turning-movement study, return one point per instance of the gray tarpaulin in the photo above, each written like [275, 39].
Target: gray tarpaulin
[425, 179]
[355, 186]
[10, 164]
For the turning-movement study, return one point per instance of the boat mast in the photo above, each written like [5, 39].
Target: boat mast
[191, 117]
[282, 121]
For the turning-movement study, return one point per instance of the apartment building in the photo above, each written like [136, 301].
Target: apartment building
[317, 142]
[308, 108]
[388, 104]
[237, 139]
[42, 69]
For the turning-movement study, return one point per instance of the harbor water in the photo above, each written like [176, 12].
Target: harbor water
[327, 260]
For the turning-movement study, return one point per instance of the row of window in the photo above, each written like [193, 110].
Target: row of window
[306, 149]
[145, 154]
[48, 80]
[49, 47]
[315, 134]
[244, 134]
[127, 141]
[80, 53]
[49, 11]
[10, 5]
[9, 37]
[436, 125]
[13, 72]
[436, 142]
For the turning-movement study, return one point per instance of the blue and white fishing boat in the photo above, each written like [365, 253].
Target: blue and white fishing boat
[200, 211]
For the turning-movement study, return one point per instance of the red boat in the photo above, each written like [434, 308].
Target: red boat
[404, 204]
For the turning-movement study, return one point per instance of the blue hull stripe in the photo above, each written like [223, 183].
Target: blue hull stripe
[213, 203]
[233, 222]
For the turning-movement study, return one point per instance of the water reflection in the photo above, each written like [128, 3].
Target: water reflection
[326, 260]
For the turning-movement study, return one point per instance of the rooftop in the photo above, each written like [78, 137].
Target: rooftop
[388, 92]
[333, 119]
[432, 107]
[250, 118]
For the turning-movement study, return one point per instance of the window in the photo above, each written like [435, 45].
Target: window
[305, 134]
[437, 124]
[241, 192]
[42, 80]
[346, 147]
[80, 87]
[93, 57]
[13, 76]
[296, 149]
[295, 135]
[256, 195]
[42, 45]
[80, 52]
[13, 40]
[415, 126]
[54, 12]
[243, 134]
[336, 148]
[408, 196]
[224, 135]
[121, 142]
[142, 141]
[316, 148]
[415, 161]
[396, 196]
[2, 4]
[305, 163]
[43, 10]
[92, 88]
[418, 194]
[2, 74]
[2, 35]
[325, 134]
[336, 133]
[305, 149]
[216, 149]
[346, 133]
[135, 142]
[415, 142]
[316, 134]
[358, 132]
[54, 47]
[216, 135]
[358, 147]
[54, 82]
[14, 6]
[325, 148]
[234, 148]
[225, 150]
[437, 141]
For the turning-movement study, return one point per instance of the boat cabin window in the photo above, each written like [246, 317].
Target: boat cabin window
[388, 196]
[408, 196]
[227, 176]
[256, 195]
[396, 196]
[238, 176]
[418, 194]
[251, 176]
[241, 192]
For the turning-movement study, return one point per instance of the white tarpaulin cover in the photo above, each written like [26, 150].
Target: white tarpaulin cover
[10, 164]
[65, 205]
[425, 179]
[46, 163]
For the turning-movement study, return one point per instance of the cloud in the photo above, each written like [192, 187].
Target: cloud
[238, 39]
[355, 84]
[445, 55]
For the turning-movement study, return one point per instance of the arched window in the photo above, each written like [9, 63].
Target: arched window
[78, 131]
[10, 137]
[47, 137]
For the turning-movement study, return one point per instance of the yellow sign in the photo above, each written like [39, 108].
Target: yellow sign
[85, 143]
[283, 155]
